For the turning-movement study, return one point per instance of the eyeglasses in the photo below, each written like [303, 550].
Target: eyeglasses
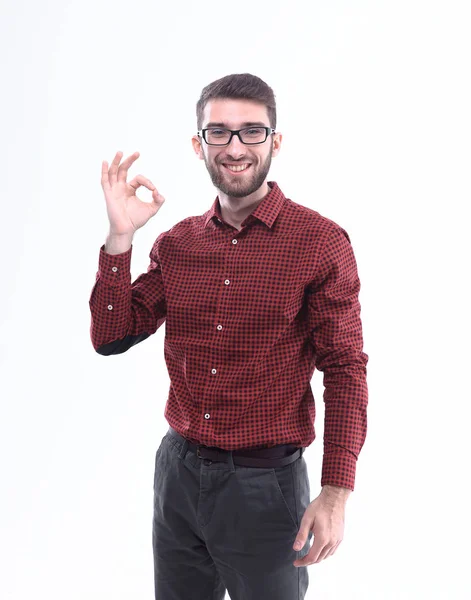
[218, 136]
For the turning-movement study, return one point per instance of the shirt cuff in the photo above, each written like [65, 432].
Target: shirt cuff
[338, 467]
[115, 269]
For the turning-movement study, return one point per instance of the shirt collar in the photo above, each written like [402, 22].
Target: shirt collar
[266, 211]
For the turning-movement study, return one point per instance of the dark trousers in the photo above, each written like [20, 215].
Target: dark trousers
[221, 526]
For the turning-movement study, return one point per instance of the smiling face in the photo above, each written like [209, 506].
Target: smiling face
[237, 114]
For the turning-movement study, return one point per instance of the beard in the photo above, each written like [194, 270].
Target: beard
[239, 186]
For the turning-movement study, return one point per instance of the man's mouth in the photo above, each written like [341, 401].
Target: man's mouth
[237, 168]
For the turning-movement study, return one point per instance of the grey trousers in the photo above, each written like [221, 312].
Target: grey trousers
[219, 526]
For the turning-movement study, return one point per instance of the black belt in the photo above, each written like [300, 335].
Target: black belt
[277, 456]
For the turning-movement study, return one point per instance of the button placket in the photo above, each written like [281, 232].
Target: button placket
[226, 282]
[219, 327]
[114, 269]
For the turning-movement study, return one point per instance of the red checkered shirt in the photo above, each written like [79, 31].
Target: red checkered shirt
[249, 315]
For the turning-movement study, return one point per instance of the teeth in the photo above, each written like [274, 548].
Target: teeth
[237, 168]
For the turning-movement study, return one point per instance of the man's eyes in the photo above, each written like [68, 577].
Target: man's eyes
[250, 131]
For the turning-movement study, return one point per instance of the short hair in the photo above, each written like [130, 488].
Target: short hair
[238, 86]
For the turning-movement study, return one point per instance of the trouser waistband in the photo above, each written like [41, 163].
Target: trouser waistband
[277, 456]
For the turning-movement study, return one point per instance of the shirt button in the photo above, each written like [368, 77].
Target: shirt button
[110, 307]
[234, 241]
[114, 269]
[206, 416]
[213, 371]
[227, 282]
[219, 327]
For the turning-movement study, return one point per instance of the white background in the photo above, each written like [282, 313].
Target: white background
[373, 102]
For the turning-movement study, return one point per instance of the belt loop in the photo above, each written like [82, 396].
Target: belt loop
[230, 461]
[183, 450]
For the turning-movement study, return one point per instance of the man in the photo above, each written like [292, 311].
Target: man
[256, 293]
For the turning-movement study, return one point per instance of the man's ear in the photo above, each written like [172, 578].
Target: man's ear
[277, 144]
[195, 140]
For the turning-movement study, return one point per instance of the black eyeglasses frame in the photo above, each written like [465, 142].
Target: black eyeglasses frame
[233, 132]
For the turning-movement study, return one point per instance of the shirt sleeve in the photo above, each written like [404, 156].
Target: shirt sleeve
[336, 334]
[124, 313]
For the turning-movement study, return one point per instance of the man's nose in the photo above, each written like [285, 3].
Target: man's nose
[236, 147]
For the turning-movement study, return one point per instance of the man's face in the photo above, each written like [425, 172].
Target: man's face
[237, 114]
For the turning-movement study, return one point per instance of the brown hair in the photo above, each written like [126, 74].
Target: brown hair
[239, 85]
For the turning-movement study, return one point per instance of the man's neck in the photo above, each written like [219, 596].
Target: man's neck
[235, 210]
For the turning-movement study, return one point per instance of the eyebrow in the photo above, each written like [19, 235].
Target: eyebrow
[246, 124]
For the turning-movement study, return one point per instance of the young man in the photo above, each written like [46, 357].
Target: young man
[256, 293]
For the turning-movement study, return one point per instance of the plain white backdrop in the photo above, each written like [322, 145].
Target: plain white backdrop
[373, 102]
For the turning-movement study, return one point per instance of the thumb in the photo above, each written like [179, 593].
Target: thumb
[157, 200]
[301, 538]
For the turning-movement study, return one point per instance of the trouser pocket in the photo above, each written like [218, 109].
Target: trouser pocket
[285, 479]
[158, 455]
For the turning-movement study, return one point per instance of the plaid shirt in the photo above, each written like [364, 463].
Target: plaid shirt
[248, 317]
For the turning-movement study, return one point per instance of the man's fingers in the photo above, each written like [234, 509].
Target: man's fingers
[141, 180]
[105, 183]
[116, 172]
[332, 550]
[113, 170]
[123, 168]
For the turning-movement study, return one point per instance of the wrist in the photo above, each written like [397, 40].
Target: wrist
[118, 243]
[335, 493]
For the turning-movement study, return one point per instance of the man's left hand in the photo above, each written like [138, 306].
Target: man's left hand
[325, 518]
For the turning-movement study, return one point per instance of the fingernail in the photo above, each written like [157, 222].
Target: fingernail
[298, 546]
